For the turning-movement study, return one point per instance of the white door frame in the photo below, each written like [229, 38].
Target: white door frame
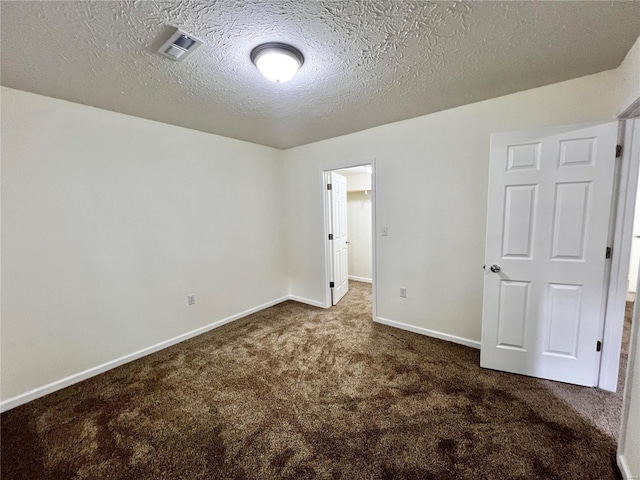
[622, 230]
[324, 176]
[633, 133]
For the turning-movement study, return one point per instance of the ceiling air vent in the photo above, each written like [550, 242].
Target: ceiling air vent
[179, 45]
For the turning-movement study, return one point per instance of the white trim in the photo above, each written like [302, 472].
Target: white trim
[634, 344]
[621, 253]
[429, 333]
[624, 468]
[374, 238]
[308, 301]
[91, 372]
[360, 279]
[632, 110]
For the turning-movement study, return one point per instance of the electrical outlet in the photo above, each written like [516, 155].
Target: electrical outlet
[385, 231]
[191, 299]
[403, 292]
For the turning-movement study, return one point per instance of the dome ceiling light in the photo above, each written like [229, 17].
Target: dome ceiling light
[278, 62]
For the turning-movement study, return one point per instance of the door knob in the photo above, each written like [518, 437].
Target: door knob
[495, 268]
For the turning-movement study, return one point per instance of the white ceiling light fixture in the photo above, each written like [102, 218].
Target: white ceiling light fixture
[278, 62]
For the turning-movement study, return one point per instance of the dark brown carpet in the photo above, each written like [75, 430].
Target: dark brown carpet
[296, 392]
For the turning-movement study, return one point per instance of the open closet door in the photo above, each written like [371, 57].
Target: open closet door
[339, 244]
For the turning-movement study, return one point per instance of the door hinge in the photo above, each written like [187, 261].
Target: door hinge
[331, 236]
[328, 186]
[598, 346]
[608, 254]
[331, 285]
[618, 151]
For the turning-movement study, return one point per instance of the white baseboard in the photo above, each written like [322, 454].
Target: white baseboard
[313, 303]
[429, 333]
[38, 392]
[91, 372]
[360, 279]
[624, 468]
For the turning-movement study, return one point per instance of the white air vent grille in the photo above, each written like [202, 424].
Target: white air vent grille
[179, 45]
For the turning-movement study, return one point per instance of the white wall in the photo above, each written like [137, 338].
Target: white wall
[110, 221]
[431, 189]
[359, 233]
[358, 183]
[627, 88]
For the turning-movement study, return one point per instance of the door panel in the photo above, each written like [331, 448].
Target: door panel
[563, 322]
[523, 157]
[547, 228]
[571, 207]
[339, 245]
[577, 152]
[520, 206]
[513, 314]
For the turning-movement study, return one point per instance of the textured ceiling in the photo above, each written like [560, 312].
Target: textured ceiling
[367, 62]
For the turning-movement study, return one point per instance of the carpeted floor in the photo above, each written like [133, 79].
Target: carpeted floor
[297, 392]
[602, 408]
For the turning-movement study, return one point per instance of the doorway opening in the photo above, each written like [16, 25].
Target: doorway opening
[624, 259]
[349, 227]
[631, 290]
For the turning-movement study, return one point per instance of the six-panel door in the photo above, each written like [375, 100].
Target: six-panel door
[548, 218]
[339, 245]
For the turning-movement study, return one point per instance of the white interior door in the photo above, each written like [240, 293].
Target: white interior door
[547, 229]
[339, 244]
